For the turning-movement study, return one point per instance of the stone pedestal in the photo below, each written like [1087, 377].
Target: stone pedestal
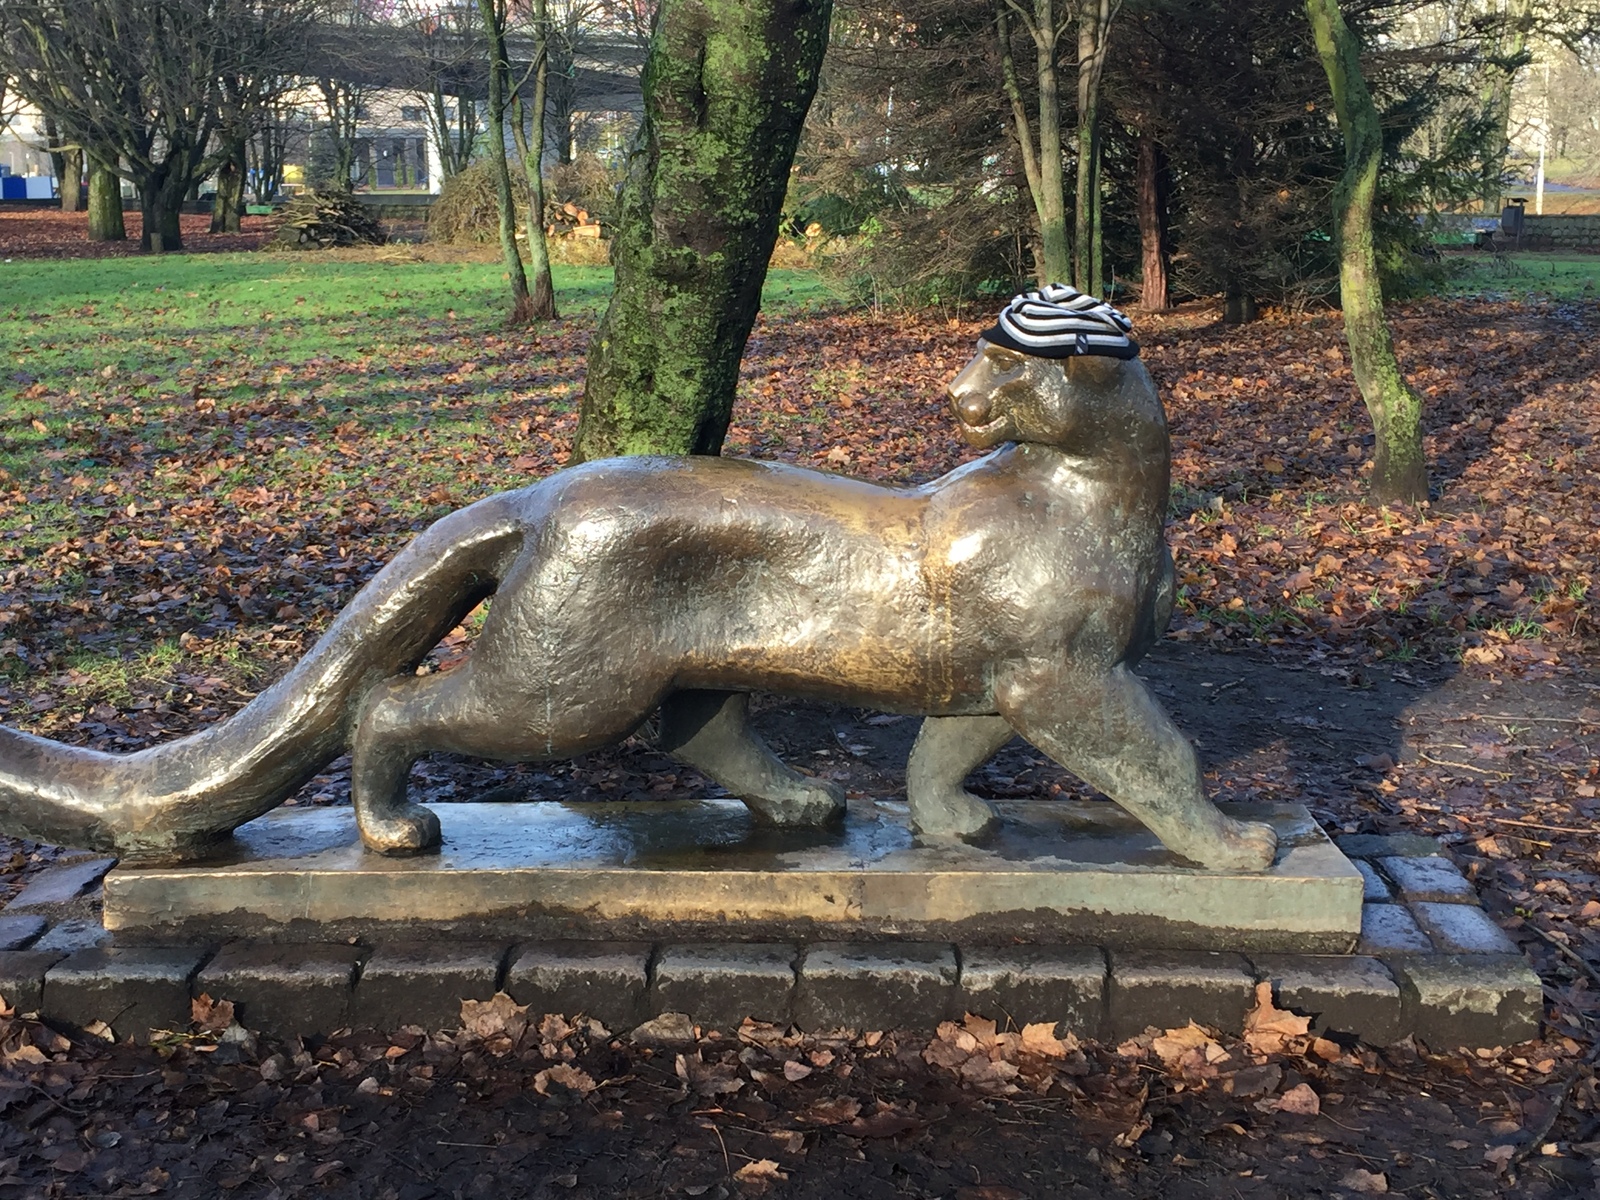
[626, 913]
[1055, 873]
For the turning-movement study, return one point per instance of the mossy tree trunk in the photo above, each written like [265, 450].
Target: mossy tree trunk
[530, 144]
[105, 205]
[1399, 470]
[726, 87]
[493, 15]
[1044, 22]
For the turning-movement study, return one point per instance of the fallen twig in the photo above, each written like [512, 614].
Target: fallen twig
[1542, 1130]
[1440, 762]
[1584, 964]
[1536, 825]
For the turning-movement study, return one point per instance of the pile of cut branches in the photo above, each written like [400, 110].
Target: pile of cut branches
[320, 220]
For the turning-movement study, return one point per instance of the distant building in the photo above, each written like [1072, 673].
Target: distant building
[26, 172]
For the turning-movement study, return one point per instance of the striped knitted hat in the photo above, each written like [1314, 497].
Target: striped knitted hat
[1057, 321]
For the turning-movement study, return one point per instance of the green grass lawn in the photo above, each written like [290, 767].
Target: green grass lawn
[1524, 275]
[117, 341]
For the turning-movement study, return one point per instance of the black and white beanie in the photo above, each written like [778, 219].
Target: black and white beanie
[1057, 321]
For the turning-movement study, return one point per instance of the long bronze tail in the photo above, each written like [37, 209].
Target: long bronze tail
[176, 800]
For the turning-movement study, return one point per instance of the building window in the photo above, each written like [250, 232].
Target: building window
[411, 112]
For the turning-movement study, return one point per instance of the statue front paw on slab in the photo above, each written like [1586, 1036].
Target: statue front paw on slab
[1011, 596]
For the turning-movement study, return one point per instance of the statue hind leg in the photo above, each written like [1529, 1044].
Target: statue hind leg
[466, 711]
[1104, 727]
[710, 731]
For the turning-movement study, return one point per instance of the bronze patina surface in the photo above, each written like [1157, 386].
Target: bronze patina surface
[1051, 872]
[1011, 595]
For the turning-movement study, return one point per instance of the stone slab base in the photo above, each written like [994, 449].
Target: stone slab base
[1430, 964]
[703, 871]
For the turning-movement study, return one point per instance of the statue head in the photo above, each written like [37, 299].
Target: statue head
[1050, 350]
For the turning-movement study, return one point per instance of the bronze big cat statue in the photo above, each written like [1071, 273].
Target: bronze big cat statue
[1011, 596]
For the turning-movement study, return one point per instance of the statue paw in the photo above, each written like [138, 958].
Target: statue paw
[412, 830]
[805, 802]
[1239, 846]
[957, 814]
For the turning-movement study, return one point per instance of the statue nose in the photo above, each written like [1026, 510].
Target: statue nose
[974, 410]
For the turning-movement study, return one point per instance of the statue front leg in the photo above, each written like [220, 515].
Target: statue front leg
[1108, 730]
[947, 750]
[710, 731]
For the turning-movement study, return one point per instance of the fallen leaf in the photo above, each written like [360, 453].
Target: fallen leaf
[1269, 1029]
[210, 1016]
[1367, 1183]
[26, 1055]
[833, 1111]
[1300, 1100]
[1041, 1039]
[1499, 1156]
[568, 1076]
[708, 1079]
[497, 1018]
[1175, 1043]
[889, 1122]
[1326, 1050]
[760, 1169]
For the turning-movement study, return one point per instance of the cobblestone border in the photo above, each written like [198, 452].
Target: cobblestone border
[1430, 963]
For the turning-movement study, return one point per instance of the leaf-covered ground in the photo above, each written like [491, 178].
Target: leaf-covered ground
[205, 457]
[30, 232]
[515, 1105]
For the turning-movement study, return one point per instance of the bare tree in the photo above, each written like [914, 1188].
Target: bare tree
[1094, 36]
[250, 93]
[66, 160]
[138, 84]
[447, 49]
[268, 151]
[492, 15]
[528, 128]
[1038, 133]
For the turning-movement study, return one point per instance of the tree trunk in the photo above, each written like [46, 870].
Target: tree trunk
[530, 143]
[52, 147]
[161, 197]
[229, 201]
[726, 87]
[1505, 55]
[70, 179]
[105, 205]
[1094, 28]
[1042, 163]
[1238, 305]
[1155, 257]
[499, 69]
[1399, 470]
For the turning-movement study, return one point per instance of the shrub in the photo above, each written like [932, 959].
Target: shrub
[468, 211]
